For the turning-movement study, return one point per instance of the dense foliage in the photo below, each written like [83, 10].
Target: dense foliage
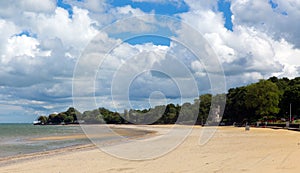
[265, 100]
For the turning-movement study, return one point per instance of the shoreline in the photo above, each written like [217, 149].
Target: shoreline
[230, 149]
[149, 132]
[119, 129]
[37, 155]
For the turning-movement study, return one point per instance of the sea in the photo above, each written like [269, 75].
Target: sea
[16, 139]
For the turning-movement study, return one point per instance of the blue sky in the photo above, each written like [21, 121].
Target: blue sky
[41, 43]
[172, 9]
[166, 8]
[64, 5]
[224, 7]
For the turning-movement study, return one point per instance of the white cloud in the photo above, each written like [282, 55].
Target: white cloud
[15, 11]
[7, 29]
[152, 1]
[177, 3]
[131, 20]
[199, 68]
[58, 37]
[36, 69]
[250, 50]
[20, 46]
[94, 6]
[196, 5]
[288, 56]
[128, 66]
[38, 6]
[278, 23]
[75, 32]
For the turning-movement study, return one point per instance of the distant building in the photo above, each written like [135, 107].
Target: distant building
[216, 114]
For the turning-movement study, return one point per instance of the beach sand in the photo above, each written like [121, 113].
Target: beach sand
[231, 149]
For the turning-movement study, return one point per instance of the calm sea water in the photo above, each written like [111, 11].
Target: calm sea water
[15, 138]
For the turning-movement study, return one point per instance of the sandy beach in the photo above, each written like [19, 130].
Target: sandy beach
[231, 149]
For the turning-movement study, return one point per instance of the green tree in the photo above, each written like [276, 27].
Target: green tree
[170, 115]
[61, 117]
[282, 84]
[291, 96]
[93, 116]
[52, 118]
[236, 110]
[205, 104]
[74, 113]
[263, 98]
[43, 119]
[69, 119]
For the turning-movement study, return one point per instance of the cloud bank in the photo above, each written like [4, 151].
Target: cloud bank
[41, 43]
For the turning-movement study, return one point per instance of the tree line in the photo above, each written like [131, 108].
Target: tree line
[266, 100]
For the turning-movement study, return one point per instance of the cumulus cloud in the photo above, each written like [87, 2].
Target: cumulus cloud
[38, 51]
[94, 6]
[277, 21]
[38, 6]
[12, 10]
[74, 33]
[21, 46]
[124, 71]
[58, 38]
[41, 43]
[254, 49]
[177, 3]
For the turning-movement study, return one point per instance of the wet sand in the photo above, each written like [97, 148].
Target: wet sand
[230, 150]
[125, 130]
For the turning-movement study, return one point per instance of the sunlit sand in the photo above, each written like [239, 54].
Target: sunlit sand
[231, 149]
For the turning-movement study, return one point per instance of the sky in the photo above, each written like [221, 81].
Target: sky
[138, 53]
